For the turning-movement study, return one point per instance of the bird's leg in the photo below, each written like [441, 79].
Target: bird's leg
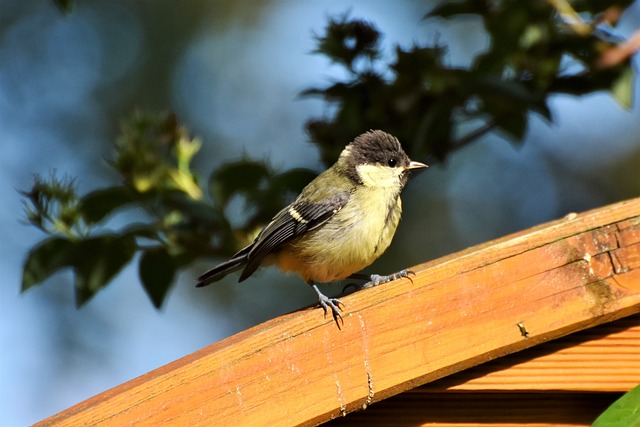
[326, 302]
[376, 279]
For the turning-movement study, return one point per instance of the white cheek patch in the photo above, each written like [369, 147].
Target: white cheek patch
[379, 176]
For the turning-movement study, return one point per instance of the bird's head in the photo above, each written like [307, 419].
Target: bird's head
[376, 159]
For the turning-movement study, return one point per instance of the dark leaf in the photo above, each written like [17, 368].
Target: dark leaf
[293, 180]
[623, 412]
[96, 205]
[447, 9]
[64, 5]
[157, 271]
[514, 126]
[349, 39]
[499, 90]
[45, 259]
[434, 130]
[96, 262]
[192, 209]
[242, 176]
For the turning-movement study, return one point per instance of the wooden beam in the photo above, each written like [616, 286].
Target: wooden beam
[603, 359]
[457, 312]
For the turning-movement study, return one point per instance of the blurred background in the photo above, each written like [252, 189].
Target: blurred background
[233, 72]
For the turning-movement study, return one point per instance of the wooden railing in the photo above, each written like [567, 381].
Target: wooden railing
[456, 312]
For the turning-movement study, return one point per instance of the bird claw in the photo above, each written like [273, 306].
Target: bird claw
[377, 279]
[333, 303]
[330, 303]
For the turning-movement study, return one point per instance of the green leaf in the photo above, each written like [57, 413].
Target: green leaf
[96, 262]
[623, 412]
[45, 259]
[622, 89]
[447, 9]
[64, 5]
[514, 126]
[243, 176]
[293, 180]
[96, 205]
[194, 209]
[157, 271]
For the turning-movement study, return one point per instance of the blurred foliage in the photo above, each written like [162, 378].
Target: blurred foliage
[65, 6]
[623, 412]
[422, 101]
[152, 156]
[415, 96]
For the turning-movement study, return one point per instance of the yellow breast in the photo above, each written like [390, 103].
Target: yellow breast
[352, 239]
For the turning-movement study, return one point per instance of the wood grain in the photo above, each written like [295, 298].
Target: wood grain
[605, 358]
[457, 312]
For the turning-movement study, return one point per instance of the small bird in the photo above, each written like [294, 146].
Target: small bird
[340, 223]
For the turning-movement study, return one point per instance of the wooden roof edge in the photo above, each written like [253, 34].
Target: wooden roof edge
[457, 312]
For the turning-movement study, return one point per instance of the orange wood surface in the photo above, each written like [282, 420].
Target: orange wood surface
[457, 312]
[605, 358]
[564, 382]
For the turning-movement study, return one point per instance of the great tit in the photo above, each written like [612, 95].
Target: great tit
[340, 223]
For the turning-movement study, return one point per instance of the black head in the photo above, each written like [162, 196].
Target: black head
[377, 148]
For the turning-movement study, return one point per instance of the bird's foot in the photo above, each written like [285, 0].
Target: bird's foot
[377, 279]
[330, 303]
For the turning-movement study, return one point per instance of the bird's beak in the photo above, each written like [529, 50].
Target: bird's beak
[416, 165]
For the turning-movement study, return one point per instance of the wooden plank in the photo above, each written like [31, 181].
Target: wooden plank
[605, 358]
[456, 312]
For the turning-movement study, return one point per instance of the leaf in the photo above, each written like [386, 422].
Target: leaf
[293, 180]
[194, 209]
[156, 271]
[622, 89]
[64, 5]
[243, 176]
[96, 262]
[447, 9]
[45, 259]
[623, 412]
[515, 126]
[96, 205]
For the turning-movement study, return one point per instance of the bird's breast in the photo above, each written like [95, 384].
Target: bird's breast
[348, 242]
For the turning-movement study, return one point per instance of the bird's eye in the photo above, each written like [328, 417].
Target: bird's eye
[392, 162]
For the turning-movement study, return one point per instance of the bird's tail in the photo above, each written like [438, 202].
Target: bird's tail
[216, 273]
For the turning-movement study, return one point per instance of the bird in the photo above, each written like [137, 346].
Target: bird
[341, 222]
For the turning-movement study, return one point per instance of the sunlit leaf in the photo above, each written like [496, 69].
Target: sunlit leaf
[623, 412]
[623, 89]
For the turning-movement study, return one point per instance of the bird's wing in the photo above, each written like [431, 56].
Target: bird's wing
[291, 222]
